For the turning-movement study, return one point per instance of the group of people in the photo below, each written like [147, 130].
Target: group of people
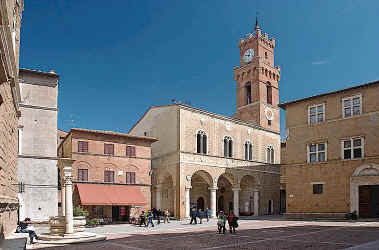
[232, 222]
[199, 214]
[146, 219]
[221, 222]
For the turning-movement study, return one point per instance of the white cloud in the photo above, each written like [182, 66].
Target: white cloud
[320, 62]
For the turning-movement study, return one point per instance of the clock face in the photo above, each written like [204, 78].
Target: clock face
[248, 55]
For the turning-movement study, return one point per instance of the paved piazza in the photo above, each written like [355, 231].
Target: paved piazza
[262, 233]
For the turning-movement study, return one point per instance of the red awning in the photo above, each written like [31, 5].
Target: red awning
[108, 195]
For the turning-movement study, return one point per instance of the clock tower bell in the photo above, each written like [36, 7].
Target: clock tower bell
[258, 81]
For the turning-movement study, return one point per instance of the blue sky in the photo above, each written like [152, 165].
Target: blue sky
[117, 58]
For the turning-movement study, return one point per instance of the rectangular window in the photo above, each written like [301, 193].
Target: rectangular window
[352, 148]
[248, 93]
[130, 178]
[130, 151]
[317, 188]
[317, 152]
[108, 149]
[269, 94]
[82, 146]
[316, 113]
[108, 176]
[82, 174]
[352, 106]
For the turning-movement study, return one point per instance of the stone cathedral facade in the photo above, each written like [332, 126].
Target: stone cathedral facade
[207, 160]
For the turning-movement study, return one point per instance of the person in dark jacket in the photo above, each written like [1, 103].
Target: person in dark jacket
[142, 218]
[200, 214]
[193, 216]
[232, 221]
[25, 227]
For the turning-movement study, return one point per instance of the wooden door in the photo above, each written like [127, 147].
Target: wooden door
[364, 201]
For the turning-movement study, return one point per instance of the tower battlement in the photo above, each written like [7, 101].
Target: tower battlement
[268, 41]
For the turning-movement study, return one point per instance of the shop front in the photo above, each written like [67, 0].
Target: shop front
[110, 203]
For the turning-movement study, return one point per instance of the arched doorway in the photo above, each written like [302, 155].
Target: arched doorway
[364, 191]
[167, 193]
[200, 203]
[248, 190]
[220, 203]
[224, 193]
[199, 194]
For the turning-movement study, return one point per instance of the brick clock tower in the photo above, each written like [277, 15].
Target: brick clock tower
[258, 81]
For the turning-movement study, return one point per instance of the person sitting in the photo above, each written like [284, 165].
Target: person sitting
[26, 227]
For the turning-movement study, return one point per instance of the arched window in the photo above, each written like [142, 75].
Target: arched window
[201, 138]
[248, 151]
[270, 154]
[269, 92]
[248, 93]
[228, 146]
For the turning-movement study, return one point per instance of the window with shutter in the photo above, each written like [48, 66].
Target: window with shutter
[108, 176]
[109, 149]
[130, 151]
[82, 146]
[82, 174]
[130, 177]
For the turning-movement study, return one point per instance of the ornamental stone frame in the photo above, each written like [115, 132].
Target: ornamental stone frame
[367, 174]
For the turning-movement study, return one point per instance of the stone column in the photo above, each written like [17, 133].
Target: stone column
[158, 198]
[213, 201]
[174, 199]
[69, 218]
[236, 201]
[63, 200]
[256, 203]
[188, 208]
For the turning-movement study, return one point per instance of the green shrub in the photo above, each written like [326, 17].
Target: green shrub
[93, 222]
[80, 211]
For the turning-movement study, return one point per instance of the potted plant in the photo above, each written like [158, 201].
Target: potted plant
[93, 222]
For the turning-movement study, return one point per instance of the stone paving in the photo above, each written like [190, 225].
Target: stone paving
[257, 233]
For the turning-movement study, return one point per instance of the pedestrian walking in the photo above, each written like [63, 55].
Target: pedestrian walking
[208, 214]
[232, 221]
[166, 216]
[142, 218]
[159, 214]
[221, 222]
[193, 216]
[200, 214]
[150, 219]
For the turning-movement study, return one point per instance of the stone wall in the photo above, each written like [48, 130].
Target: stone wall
[298, 176]
[38, 144]
[8, 157]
